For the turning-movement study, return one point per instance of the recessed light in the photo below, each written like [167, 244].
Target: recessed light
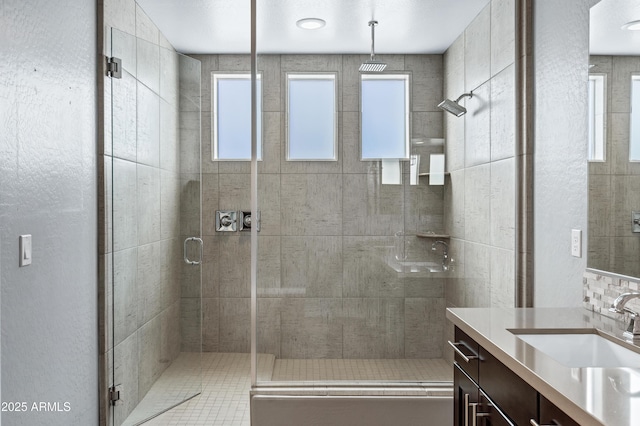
[632, 26]
[311, 23]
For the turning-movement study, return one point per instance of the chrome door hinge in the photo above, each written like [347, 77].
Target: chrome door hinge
[114, 67]
[114, 395]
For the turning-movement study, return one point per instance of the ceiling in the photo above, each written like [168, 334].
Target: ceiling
[223, 26]
[405, 26]
[606, 36]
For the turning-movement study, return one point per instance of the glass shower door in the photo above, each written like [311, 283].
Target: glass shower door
[156, 251]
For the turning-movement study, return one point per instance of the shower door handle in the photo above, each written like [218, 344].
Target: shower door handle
[184, 251]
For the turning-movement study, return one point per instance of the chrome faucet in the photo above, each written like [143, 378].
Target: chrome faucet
[445, 253]
[618, 306]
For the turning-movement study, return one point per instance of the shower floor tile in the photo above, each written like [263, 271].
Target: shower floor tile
[414, 370]
[226, 382]
[224, 400]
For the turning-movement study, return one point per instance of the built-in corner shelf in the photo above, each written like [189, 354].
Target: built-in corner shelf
[427, 174]
[430, 235]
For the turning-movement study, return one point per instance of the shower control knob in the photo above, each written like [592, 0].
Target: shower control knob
[226, 221]
[246, 221]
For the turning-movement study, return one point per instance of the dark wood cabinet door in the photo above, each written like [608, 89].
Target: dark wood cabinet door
[471, 406]
[465, 394]
[516, 399]
[552, 415]
[489, 414]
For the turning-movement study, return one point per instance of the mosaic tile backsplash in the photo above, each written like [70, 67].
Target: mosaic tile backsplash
[600, 290]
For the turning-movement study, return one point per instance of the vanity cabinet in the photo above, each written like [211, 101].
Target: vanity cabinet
[486, 392]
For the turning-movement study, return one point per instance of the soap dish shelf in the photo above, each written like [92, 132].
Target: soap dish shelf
[428, 235]
[427, 174]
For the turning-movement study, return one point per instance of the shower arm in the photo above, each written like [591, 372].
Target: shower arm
[469, 95]
[373, 24]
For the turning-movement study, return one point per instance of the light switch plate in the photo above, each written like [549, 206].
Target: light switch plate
[25, 250]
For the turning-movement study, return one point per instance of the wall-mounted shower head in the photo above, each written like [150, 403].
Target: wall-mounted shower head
[372, 65]
[453, 106]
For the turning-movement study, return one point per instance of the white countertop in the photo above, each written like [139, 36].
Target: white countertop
[592, 396]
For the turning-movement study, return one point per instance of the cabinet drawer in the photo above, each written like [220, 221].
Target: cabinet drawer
[514, 396]
[470, 349]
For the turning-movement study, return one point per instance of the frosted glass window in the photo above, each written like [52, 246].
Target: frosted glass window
[384, 106]
[634, 140]
[311, 108]
[231, 129]
[597, 107]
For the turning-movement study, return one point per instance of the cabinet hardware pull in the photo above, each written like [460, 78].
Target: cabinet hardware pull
[466, 358]
[474, 421]
[534, 423]
[475, 414]
[466, 409]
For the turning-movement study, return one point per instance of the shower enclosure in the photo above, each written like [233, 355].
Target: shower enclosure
[350, 284]
[358, 240]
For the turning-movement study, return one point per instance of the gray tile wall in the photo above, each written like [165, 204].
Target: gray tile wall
[480, 202]
[325, 289]
[140, 202]
[614, 184]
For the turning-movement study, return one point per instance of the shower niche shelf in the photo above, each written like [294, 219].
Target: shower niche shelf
[427, 174]
[430, 235]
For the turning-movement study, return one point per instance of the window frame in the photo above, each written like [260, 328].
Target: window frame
[599, 82]
[241, 75]
[634, 77]
[406, 77]
[311, 76]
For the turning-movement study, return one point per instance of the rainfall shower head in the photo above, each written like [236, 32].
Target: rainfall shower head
[372, 65]
[453, 106]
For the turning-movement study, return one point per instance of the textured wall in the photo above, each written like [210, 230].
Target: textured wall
[48, 189]
[480, 202]
[325, 290]
[614, 185]
[561, 46]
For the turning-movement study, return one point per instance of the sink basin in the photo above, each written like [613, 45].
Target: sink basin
[582, 349]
